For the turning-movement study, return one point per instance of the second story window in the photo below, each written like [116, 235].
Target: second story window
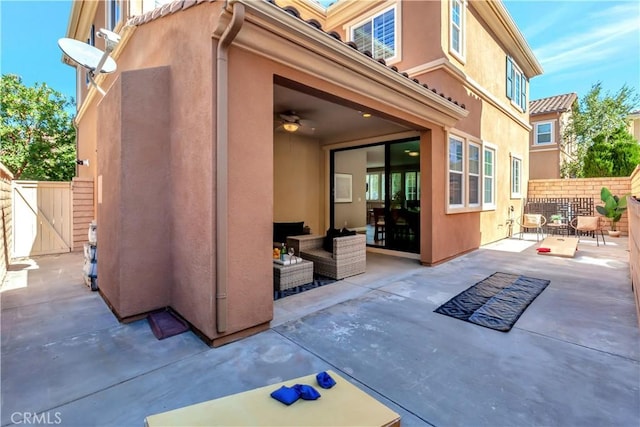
[456, 42]
[114, 10]
[516, 85]
[377, 34]
[543, 133]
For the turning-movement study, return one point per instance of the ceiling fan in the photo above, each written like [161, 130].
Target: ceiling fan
[290, 121]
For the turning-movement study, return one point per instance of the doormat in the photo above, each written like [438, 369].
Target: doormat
[318, 281]
[165, 324]
[495, 302]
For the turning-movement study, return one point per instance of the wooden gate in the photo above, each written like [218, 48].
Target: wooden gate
[42, 218]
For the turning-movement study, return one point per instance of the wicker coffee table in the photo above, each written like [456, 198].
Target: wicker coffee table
[290, 276]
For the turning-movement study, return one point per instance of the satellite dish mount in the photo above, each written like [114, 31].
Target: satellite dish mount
[91, 58]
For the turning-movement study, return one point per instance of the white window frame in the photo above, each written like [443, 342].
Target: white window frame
[478, 175]
[489, 147]
[111, 20]
[380, 187]
[462, 172]
[552, 139]
[516, 84]
[516, 178]
[396, 30]
[458, 53]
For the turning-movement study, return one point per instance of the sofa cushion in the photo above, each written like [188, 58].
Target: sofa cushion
[282, 230]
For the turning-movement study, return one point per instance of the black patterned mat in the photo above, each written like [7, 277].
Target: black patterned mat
[495, 302]
[318, 281]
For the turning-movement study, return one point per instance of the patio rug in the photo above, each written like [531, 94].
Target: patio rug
[495, 302]
[165, 324]
[318, 281]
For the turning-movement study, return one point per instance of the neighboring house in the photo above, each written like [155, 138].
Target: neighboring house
[634, 124]
[426, 101]
[548, 151]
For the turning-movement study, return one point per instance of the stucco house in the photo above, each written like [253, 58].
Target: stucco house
[421, 104]
[634, 124]
[548, 150]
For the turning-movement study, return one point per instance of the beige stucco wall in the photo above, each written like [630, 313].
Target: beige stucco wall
[352, 214]
[545, 158]
[134, 218]
[297, 161]
[544, 164]
[635, 182]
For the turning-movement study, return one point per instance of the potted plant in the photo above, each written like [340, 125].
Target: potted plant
[556, 218]
[613, 209]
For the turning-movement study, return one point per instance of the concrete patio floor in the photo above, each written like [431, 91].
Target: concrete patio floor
[572, 359]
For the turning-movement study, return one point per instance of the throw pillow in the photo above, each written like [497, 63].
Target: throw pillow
[327, 244]
[345, 232]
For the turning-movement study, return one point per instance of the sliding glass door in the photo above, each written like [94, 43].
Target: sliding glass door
[385, 199]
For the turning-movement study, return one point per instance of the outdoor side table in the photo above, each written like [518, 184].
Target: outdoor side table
[556, 229]
[290, 276]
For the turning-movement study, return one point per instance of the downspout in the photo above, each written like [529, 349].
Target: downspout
[221, 166]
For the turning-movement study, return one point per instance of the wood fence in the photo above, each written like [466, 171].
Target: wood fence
[634, 249]
[82, 214]
[6, 233]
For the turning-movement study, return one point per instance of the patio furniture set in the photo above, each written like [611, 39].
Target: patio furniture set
[346, 258]
[578, 226]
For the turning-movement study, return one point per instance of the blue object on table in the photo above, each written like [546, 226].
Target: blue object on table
[307, 392]
[286, 395]
[325, 380]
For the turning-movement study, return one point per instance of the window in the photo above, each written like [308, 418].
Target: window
[412, 185]
[456, 172]
[516, 85]
[377, 35]
[113, 13]
[474, 174]
[456, 42]
[488, 198]
[471, 175]
[516, 177]
[543, 133]
[375, 186]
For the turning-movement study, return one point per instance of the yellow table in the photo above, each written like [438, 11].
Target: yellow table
[342, 405]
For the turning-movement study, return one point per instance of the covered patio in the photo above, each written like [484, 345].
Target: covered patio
[573, 358]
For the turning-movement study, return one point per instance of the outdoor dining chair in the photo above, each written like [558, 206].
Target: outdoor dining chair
[532, 221]
[588, 224]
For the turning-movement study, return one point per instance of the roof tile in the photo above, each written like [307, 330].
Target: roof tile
[177, 5]
[552, 104]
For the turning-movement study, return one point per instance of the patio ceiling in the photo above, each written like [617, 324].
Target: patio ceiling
[332, 122]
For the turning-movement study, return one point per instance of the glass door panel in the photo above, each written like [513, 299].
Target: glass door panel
[403, 213]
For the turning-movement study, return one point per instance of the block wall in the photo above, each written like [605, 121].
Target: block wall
[582, 187]
[6, 225]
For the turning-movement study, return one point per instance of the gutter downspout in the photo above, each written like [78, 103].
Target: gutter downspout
[222, 162]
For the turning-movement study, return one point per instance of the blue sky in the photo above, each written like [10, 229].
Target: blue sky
[578, 43]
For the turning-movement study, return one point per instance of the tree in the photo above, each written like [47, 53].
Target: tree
[37, 135]
[617, 157]
[597, 117]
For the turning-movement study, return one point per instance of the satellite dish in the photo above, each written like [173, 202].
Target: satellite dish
[89, 57]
